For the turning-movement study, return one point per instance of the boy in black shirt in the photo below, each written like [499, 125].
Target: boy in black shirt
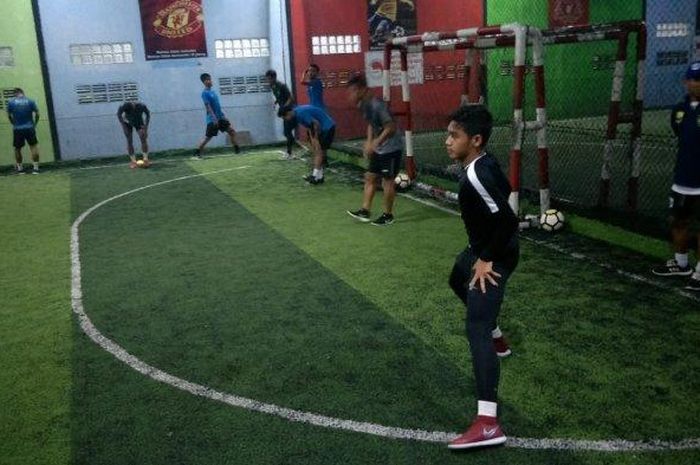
[131, 116]
[283, 98]
[481, 271]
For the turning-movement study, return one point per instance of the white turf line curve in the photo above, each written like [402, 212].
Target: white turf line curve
[616, 445]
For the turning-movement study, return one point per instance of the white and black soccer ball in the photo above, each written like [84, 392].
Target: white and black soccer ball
[552, 220]
[402, 181]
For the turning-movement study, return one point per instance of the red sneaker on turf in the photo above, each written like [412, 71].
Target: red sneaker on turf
[502, 347]
[133, 165]
[485, 431]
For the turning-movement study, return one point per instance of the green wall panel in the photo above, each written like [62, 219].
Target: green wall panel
[578, 76]
[17, 30]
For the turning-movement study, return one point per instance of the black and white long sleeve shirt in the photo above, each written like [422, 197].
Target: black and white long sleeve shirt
[483, 202]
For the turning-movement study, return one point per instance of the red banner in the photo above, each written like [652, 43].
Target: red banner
[567, 12]
[173, 29]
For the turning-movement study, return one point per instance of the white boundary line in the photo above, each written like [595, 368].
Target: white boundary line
[577, 256]
[617, 445]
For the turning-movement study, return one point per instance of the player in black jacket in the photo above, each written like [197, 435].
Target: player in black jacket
[481, 271]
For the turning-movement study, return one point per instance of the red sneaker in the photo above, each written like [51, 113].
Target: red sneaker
[502, 347]
[146, 164]
[133, 165]
[485, 431]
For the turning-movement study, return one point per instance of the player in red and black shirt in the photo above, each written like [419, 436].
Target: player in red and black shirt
[135, 115]
[481, 271]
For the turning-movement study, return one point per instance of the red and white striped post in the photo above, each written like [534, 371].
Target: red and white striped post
[637, 112]
[518, 120]
[541, 122]
[613, 118]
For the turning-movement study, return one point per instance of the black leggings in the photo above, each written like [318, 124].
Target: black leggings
[482, 315]
[289, 130]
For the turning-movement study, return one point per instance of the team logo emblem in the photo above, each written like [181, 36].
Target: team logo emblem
[179, 19]
[679, 116]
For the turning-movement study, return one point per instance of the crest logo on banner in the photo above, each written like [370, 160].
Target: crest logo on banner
[567, 12]
[179, 19]
[173, 29]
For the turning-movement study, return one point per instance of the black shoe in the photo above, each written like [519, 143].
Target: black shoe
[672, 268]
[236, 149]
[693, 283]
[385, 220]
[360, 215]
[311, 179]
[196, 155]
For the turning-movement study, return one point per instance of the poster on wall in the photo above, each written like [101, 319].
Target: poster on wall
[173, 29]
[374, 66]
[390, 18]
[567, 12]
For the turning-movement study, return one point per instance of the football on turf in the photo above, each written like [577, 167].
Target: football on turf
[140, 163]
[552, 220]
[402, 181]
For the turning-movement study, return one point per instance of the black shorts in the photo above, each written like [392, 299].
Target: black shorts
[685, 207]
[20, 136]
[326, 138]
[128, 127]
[213, 129]
[387, 165]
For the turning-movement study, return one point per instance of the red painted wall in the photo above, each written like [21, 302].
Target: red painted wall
[431, 101]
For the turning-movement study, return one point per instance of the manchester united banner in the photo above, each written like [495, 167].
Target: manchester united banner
[567, 12]
[173, 29]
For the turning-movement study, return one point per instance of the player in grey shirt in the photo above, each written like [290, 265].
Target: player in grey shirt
[383, 148]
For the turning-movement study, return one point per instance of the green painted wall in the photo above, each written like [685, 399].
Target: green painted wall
[17, 30]
[578, 82]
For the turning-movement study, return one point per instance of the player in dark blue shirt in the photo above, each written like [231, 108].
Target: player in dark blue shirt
[314, 86]
[24, 116]
[481, 271]
[216, 119]
[321, 132]
[685, 191]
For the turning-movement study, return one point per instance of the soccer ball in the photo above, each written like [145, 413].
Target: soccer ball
[402, 181]
[552, 220]
[140, 163]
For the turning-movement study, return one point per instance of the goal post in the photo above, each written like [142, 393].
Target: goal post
[473, 41]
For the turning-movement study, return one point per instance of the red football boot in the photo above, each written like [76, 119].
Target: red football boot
[485, 431]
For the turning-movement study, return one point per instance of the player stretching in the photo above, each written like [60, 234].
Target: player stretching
[216, 120]
[131, 116]
[321, 131]
[24, 116]
[283, 98]
[481, 271]
[383, 147]
[685, 192]
[314, 86]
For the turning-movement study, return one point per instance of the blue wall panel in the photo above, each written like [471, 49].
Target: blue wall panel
[667, 57]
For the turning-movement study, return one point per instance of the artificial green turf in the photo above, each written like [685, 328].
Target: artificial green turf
[35, 328]
[252, 282]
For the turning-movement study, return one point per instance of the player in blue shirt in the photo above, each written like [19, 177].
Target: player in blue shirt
[24, 116]
[314, 86]
[216, 120]
[685, 191]
[321, 132]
